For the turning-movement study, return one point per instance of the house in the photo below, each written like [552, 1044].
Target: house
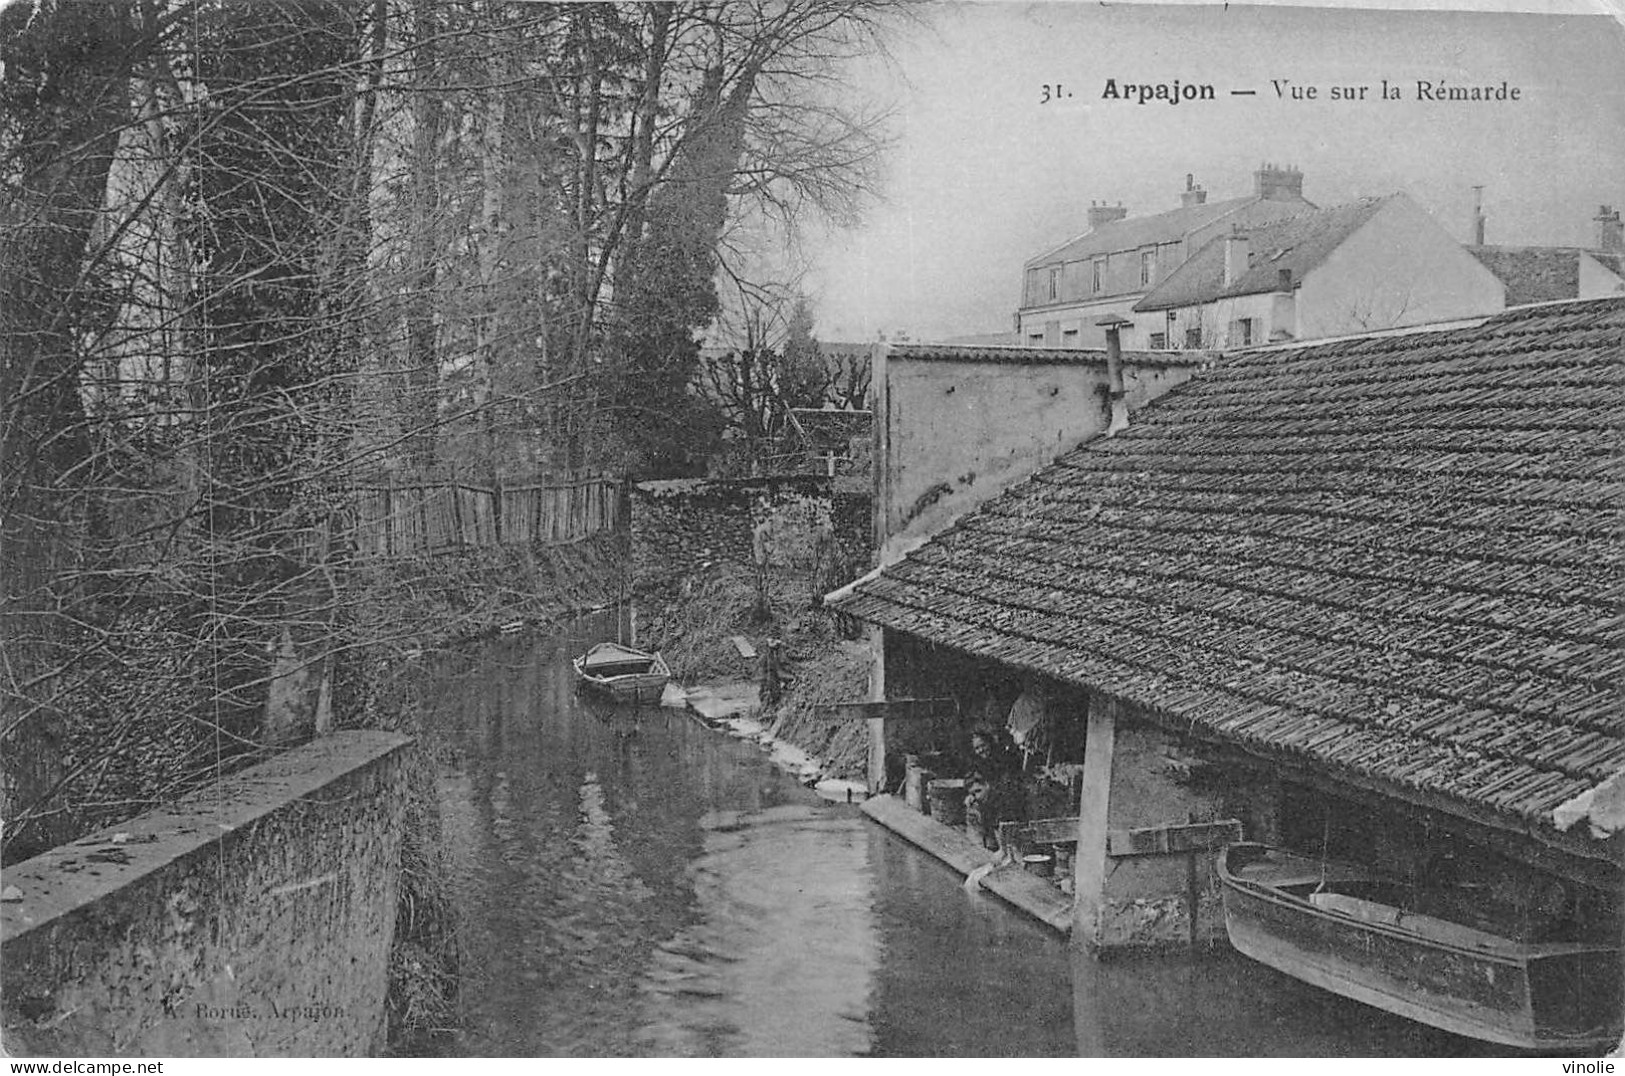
[1544, 274]
[1376, 263]
[1114, 264]
[1362, 596]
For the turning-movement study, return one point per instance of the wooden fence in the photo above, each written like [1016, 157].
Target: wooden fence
[403, 518]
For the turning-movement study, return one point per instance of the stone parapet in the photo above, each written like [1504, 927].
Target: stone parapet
[251, 919]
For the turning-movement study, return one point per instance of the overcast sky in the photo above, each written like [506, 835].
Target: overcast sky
[986, 175]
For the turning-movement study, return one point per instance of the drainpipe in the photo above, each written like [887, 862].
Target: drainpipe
[1113, 324]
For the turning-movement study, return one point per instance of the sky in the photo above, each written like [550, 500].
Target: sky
[985, 174]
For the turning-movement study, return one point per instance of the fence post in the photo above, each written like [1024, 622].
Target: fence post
[389, 514]
[496, 504]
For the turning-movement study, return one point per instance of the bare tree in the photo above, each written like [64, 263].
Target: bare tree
[254, 254]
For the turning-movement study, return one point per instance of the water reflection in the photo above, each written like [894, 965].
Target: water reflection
[1224, 1005]
[631, 883]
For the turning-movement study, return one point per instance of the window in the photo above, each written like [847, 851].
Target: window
[1159, 341]
[1193, 337]
[1054, 283]
[1098, 274]
[1147, 263]
[1069, 338]
[1243, 332]
[1035, 339]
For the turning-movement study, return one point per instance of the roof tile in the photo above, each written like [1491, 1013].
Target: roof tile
[1397, 555]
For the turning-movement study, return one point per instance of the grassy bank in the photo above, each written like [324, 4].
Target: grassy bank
[819, 668]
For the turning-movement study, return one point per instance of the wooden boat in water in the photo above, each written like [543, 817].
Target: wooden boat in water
[1347, 930]
[623, 673]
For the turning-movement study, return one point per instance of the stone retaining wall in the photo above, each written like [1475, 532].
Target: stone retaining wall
[252, 919]
[684, 528]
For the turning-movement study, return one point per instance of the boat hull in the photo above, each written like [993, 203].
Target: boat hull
[644, 688]
[1529, 996]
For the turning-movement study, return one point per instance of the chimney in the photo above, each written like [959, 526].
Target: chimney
[1278, 184]
[1113, 324]
[1100, 213]
[1193, 195]
[1478, 215]
[1610, 233]
[1235, 257]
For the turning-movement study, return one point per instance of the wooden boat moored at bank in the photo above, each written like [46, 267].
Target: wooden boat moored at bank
[623, 673]
[1347, 930]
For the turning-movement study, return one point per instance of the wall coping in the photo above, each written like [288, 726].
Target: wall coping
[69, 877]
[997, 354]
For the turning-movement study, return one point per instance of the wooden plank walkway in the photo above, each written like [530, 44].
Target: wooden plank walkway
[1025, 892]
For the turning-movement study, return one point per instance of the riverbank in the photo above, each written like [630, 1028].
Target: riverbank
[695, 630]
[735, 708]
[427, 601]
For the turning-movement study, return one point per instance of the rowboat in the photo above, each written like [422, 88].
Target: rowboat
[623, 673]
[1345, 929]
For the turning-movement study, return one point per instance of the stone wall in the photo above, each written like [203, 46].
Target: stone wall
[253, 919]
[684, 528]
[1145, 903]
[852, 516]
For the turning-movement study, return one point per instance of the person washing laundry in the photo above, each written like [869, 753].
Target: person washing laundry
[993, 790]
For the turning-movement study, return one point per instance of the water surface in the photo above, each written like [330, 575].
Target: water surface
[631, 883]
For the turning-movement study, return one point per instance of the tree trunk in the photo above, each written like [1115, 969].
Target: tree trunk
[422, 348]
[81, 53]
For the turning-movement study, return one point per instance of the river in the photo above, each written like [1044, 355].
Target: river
[640, 885]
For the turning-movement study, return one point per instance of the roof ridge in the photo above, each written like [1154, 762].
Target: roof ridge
[1233, 205]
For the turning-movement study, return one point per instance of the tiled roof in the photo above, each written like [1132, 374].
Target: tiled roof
[845, 347]
[1050, 355]
[1539, 274]
[1395, 556]
[1004, 339]
[1131, 233]
[1297, 244]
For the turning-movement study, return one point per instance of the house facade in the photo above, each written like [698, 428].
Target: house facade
[1355, 595]
[1120, 259]
[1377, 263]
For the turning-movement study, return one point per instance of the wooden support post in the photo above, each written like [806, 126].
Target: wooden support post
[877, 725]
[1193, 895]
[1089, 866]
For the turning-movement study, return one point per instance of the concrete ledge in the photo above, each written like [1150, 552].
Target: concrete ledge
[1022, 891]
[253, 918]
